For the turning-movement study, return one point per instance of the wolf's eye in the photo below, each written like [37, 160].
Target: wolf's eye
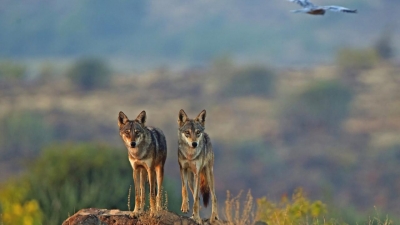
[187, 133]
[197, 132]
[136, 131]
[128, 131]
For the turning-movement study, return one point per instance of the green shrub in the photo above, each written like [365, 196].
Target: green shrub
[69, 177]
[322, 105]
[90, 73]
[11, 71]
[250, 81]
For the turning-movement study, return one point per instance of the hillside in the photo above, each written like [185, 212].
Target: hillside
[180, 33]
[307, 128]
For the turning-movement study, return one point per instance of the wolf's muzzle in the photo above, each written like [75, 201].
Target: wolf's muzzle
[133, 144]
[194, 144]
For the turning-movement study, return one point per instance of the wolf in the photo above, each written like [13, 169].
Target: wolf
[147, 152]
[196, 160]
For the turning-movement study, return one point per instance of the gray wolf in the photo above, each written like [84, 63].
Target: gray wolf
[147, 151]
[196, 160]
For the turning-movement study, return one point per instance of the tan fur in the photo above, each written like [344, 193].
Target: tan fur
[147, 152]
[196, 160]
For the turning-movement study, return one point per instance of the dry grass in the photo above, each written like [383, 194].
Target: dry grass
[147, 217]
[377, 221]
[129, 197]
[235, 214]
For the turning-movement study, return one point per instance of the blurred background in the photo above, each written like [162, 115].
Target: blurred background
[292, 100]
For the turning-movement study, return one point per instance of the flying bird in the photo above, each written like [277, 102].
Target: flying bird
[312, 9]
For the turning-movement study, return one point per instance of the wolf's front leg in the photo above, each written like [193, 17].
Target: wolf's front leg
[185, 198]
[136, 181]
[160, 176]
[210, 181]
[196, 204]
[152, 184]
[143, 179]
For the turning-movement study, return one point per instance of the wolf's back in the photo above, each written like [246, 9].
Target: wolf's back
[160, 141]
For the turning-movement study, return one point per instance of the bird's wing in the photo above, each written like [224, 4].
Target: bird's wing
[335, 8]
[303, 3]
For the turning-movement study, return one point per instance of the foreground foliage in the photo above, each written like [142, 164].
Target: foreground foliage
[16, 208]
[66, 178]
[297, 210]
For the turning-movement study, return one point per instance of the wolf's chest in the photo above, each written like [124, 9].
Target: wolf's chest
[191, 153]
[193, 165]
[139, 153]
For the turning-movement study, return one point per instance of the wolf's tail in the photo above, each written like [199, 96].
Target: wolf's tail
[204, 188]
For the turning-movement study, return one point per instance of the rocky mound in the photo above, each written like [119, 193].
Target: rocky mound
[94, 216]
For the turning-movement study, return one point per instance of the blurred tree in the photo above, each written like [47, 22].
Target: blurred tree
[47, 72]
[252, 80]
[356, 59]
[351, 62]
[223, 63]
[384, 46]
[89, 73]
[23, 134]
[11, 71]
[321, 106]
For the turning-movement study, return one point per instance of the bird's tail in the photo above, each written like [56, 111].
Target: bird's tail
[350, 10]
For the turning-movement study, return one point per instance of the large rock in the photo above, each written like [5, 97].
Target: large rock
[94, 216]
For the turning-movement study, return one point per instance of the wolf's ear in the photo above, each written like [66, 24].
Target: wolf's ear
[182, 118]
[141, 117]
[122, 119]
[202, 117]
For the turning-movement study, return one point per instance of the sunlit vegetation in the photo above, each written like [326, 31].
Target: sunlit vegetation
[297, 209]
[16, 208]
[293, 208]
